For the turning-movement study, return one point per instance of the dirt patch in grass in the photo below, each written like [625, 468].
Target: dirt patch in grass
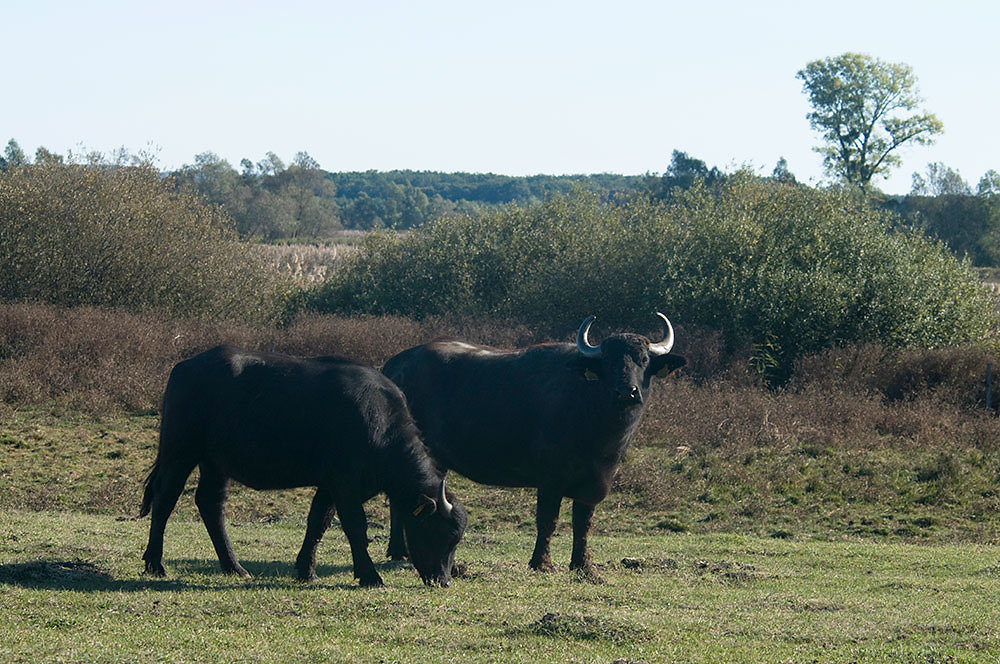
[650, 564]
[733, 572]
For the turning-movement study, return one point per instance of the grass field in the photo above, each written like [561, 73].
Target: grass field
[849, 517]
[54, 459]
[72, 592]
[882, 587]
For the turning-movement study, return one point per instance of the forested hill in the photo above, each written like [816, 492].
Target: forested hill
[270, 200]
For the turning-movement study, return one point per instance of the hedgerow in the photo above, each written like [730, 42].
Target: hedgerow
[783, 269]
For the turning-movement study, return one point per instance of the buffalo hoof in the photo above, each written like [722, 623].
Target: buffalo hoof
[586, 571]
[542, 564]
[396, 552]
[155, 569]
[308, 576]
[372, 580]
[237, 570]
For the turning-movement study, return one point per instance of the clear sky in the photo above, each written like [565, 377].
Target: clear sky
[514, 87]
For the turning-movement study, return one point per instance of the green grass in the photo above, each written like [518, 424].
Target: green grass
[72, 591]
[781, 553]
[58, 460]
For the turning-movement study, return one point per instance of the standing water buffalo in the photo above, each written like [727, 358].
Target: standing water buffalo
[554, 416]
[273, 421]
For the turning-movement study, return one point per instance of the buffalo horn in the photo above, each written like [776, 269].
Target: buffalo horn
[443, 504]
[663, 347]
[581, 339]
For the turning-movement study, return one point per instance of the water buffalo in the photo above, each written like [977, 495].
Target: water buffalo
[274, 421]
[553, 416]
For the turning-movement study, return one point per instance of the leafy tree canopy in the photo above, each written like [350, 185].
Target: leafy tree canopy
[865, 109]
[989, 184]
[683, 173]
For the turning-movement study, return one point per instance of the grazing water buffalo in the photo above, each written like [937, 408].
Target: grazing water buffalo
[554, 416]
[273, 421]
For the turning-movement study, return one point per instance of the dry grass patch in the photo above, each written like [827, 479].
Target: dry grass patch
[103, 361]
[305, 264]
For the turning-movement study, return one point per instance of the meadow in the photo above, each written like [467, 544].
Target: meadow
[849, 516]
[72, 592]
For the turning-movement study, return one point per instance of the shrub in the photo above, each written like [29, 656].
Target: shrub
[120, 236]
[782, 269]
[795, 270]
[548, 266]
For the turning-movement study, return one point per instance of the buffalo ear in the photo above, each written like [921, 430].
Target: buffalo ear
[664, 365]
[588, 368]
[425, 505]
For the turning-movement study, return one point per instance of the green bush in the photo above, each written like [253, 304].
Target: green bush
[794, 270]
[785, 269]
[548, 265]
[120, 236]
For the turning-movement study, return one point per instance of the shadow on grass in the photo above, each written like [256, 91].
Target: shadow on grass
[84, 576]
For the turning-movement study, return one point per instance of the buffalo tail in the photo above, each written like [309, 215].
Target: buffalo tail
[147, 495]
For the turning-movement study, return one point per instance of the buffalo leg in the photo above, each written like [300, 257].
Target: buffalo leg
[167, 485]
[397, 543]
[320, 514]
[213, 489]
[355, 525]
[546, 516]
[583, 516]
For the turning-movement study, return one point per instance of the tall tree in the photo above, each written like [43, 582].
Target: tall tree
[216, 180]
[682, 173]
[940, 181]
[271, 164]
[989, 184]
[13, 155]
[304, 161]
[43, 157]
[865, 109]
[781, 172]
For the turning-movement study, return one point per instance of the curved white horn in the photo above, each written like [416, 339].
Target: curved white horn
[663, 347]
[443, 505]
[582, 343]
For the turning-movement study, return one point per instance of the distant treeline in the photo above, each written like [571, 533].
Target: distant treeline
[271, 201]
[404, 199]
[301, 201]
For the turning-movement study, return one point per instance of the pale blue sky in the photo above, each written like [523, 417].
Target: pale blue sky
[505, 87]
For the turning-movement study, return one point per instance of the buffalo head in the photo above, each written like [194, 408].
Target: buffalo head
[625, 363]
[433, 528]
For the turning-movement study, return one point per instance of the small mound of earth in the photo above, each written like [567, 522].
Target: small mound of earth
[727, 570]
[587, 628]
[640, 564]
